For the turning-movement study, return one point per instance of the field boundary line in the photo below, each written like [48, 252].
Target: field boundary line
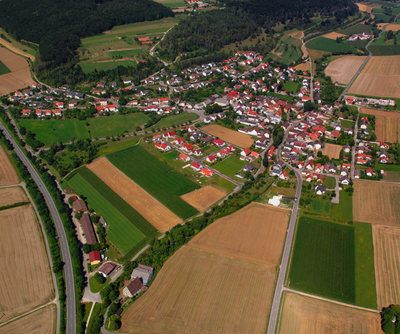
[331, 300]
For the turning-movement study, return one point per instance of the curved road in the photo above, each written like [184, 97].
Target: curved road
[69, 277]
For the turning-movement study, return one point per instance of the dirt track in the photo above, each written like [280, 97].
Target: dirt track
[203, 198]
[230, 136]
[7, 173]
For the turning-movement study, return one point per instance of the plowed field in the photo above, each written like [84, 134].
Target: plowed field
[343, 69]
[230, 136]
[7, 173]
[12, 195]
[332, 150]
[25, 281]
[386, 124]
[387, 264]
[151, 209]
[255, 233]
[376, 203]
[204, 197]
[305, 315]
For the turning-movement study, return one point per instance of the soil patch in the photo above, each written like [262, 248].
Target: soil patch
[230, 136]
[203, 198]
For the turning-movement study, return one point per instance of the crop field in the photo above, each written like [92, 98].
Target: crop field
[181, 118]
[364, 8]
[126, 53]
[332, 150]
[12, 195]
[3, 69]
[157, 178]
[123, 226]
[384, 50]
[230, 136]
[323, 259]
[230, 166]
[172, 3]
[106, 65]
[358, 28]
[303, 66]
[343, 69]
[329, 45]
[205, 294]
[304, 315]
[26, 279]
[203, 198]
[376, 203]
[387, 264]
[17, 47]
[38, 322]
[393, 27]
[342, 212]
[380, 77]
[146, 205]
[254, 233]
[386, 124]
[148, 27]
[333, 35]
[7, 173]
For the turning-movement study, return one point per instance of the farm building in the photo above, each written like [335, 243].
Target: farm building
[106, 269]
[88, 229]
[144, 272]
[133, 288]
[79, 205]
[94, 257]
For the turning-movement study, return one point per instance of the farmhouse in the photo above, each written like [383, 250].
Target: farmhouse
[144, 272]
[133, 288]
[94, 257]
[106, 269]
[88, 229]
[79, 205]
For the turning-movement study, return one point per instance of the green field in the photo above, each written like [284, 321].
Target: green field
[364, 266]
[105, 65]
[329, 45]
[3, 69]
[291, 87]
[18, 45]
[95, 287]
[230, 166]
[347, 124]
[157, 178]
[126, 226]
[323, 259]
[342, 212]
[172, 3]
[384, 50]
[355, 29]
[172, 120]
[126, 53]
[330, 182]
[321, 206]
[148, 27]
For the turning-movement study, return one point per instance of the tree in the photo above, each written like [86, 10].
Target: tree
[341, 154]
[99, 278]
[22, 131]
[266, 162]
[122, 100]
[115, 324]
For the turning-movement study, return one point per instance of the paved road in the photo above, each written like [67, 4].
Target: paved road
[69, 277]
[353, 150]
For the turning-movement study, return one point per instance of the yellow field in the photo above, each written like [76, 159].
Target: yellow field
[203, 198]
[230, 136]
[7, 173]
[364, 8]
[12, 195]
[333, 35]
[343, 69]
[386, 124]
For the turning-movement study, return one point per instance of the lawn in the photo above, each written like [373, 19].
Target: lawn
[364, 266]
[4, 69]
[323, 259]
[329, 45]
[171, 155]
[106, 65]
[181, 118]
[355, 29]
[95, 287]
[330, 182]
[387, 167]
[172, 3]
[344, 210]
[54, 131]
[321, 206]
[157, 178]
[230, 166]
[88, 307]
[347, 124]
[291, 87]
[126, 53]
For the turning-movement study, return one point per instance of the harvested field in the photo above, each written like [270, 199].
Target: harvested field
[15, 49]
[297, 34]
[39, 322]
[332, 151]
[333, 35]
[12, 61]
[380, 77]
[7, 173]
[255, 233]
[303, 66]
[304, 315]
[364, 8]
[12, 195]
[393, 27]
[147, 206]
[204, 297]
[343, 69]
[376, 203]
[26, 280]
[387, 264]
[386, 124]
[204, 197]
[230, 136]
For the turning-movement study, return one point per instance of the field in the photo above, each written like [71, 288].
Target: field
[289, 48]
[26, 279]
[296, 34]
[156, 177]
[126, 53]
[380, 77]
[145, 28]
[292, 87]
[147, 206]
[17, 47]
[254, 233]
[392, 176]
[7, 173]
[230, 166]
[12, 195]
[333, 35]
[343, 69]
[38, 322]
[387, 260]
[332, 150]
[304, 315]
[376, 203]
[384, 50]
[393, 27]
[364, 8]
[342, 212]
[172, 3]
[303, 66]
[203, 198]
[3, 69]
[181, 118]
[230, 136]
[329, 45]
[355, 29]
[323, 259]
[106, 65]
[386, 124]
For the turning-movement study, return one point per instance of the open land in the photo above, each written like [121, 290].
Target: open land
[12, 195]
[392, 26]
[147, 206]
[296, 34]
[364, 8]
[376, 203]
[387, 264]
[172, 3]
[329, 45]
[204, 197]
[333, 35]
[332, 150]
[26, 280]
[181, 118]
[303, 66]
[386, 124]
[39, 322]
[157, 178]
[380, 77]
[230, 136]
[358, 28]
[254, 233]
[7, 173]
[17, 47]
[343, 69]
[304, 315]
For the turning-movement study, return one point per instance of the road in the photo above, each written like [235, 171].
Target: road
[311, 72]
[152, 49]
[69, 276]
[353, 150]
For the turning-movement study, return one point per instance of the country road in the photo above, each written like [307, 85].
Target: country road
[69, 276]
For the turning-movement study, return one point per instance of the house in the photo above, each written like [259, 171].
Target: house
[249, 168]
[320, 190]
[164, 147]
[344, 180]
[207, 172]
[218, 142]
[357, 174]
[284, 175]
[106, 269]
[88, 229]
[196, 166]
[79, 205]
[144, 272]
[310, 165]
[300, 164]
[183, 157]
[94, 257]
[369, 172]
[211, 158]
[309, 177]
[245, 152]
[133, 288]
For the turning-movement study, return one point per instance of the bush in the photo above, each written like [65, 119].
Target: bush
[99, 279]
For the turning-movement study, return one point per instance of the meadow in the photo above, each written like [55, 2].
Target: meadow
[329, 45]
[342, 212]
[323, 259]
[172, 3]
[355, 29]
[181, 118]
[148, 27]
[230, 166]
[106, 65]
[4, 69]
[291, 87]
[126, 53]
[156, 177]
